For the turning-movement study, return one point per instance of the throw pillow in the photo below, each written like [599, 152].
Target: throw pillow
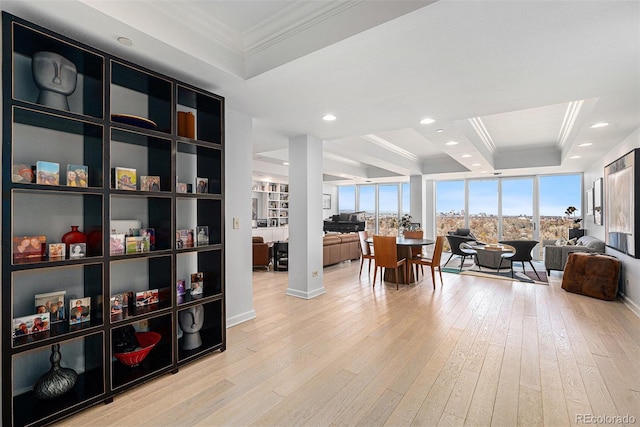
[571, 242]
[561, 242]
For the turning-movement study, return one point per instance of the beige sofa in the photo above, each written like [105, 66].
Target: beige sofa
[555, 257]
[340, 247]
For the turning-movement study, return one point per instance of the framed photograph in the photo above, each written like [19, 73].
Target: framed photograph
[136, 244]
[202, 185]
[116, 244]
[186, 238]
[47, 173]
[622, 195]
[149, 183]
[57, 251]
[23, 173]
[597, 202]
[52, 303]
[77, 176]
[125, 179]
[147, 297]
[197, 283]
[77, 250]
[149, 234]
[180, 288]
[116, 304]
[202, 235]
[181, 187]
[326, 201]
[29, 248]
[589, 201]
[31, 324]
[79, 310]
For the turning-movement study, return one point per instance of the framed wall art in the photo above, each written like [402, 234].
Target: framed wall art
[326, 201]
[597, 202]
[622, 196]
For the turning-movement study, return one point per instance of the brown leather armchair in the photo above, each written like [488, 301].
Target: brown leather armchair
[261, 256]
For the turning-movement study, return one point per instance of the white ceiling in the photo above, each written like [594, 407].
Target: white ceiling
[516, 84]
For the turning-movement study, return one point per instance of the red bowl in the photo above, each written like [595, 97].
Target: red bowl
[146, 341]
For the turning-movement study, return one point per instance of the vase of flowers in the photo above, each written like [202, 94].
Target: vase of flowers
[571, 213]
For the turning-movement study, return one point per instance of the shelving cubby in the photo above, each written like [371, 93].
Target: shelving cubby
[116, 115]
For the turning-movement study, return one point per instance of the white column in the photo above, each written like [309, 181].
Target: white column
[238, 153]
[305, 217]
[429, 207]
[416, 195]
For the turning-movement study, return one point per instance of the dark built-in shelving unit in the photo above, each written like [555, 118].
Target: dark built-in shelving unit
[86, 135]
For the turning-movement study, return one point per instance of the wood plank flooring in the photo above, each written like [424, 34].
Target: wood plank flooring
[474, 352]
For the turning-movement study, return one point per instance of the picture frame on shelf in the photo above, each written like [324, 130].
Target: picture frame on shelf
[125, 179]
[31, 324]
[197, 284]
[186, 237]
[147, 297]
[77, 176]
[23, 173]
[79, 310]
[116, 243]
[29, 248]
[202, 235]
[180, 287]
[77, 250]
[47, 173]
[181, 187]
[201, 185]
[149, 234]
[116, 304]
[149, 183]
[136, 244]
[57, 251]
[52, 303]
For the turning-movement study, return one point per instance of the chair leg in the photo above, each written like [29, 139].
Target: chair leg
[462, 262]
[534, 270]
[450, 256]
[397, 277]
[375, 273]
[440, 271]
[433, 276]
[361, 264]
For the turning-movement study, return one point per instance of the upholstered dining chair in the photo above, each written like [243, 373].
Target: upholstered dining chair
[385, 252]
[457, 248]
[433, 263]
[522, 253]
[365, 249]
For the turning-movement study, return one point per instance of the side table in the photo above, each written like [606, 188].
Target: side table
[280, 256]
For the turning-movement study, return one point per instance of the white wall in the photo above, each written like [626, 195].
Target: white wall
[238, 264]
[630, 283]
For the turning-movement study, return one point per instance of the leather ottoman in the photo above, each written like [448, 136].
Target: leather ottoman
[593, 275]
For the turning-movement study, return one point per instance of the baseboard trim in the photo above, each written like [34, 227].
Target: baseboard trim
[632, 305]
[241, 318]
[305, 295]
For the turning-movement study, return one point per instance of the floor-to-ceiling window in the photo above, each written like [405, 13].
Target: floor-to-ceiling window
[509, 208]
[382, 204]
[517, 209]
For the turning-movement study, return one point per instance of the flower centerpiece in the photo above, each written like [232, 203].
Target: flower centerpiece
[571, 213]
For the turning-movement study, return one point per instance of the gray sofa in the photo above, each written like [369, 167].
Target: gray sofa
[555, 257]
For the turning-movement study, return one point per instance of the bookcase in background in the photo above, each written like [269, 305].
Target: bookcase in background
[119, 115]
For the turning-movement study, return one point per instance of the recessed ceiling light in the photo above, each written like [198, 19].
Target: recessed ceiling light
[427, 121]
[452, 143]
[585, 144]
[285, 163]
[575, 157]
[125, 41]
[599, 125]
[466, 155]
[476, 164]
[439, 130]
[484, 171]
[329, 117]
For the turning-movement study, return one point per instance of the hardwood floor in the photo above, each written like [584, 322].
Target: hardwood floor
[474, 352]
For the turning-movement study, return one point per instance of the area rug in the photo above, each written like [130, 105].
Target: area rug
[527, 276]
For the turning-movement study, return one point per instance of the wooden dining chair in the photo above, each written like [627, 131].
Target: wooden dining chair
[365, 249]
[385, 252]
[434, 262]
[416, 251]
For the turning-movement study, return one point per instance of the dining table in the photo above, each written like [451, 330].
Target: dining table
[403, 249]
